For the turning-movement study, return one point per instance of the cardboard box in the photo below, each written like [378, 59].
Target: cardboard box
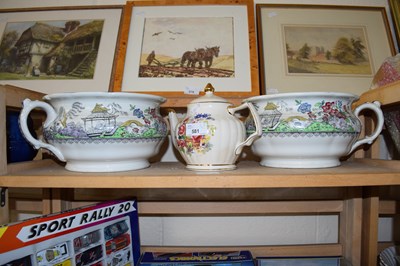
[301, 261]
[101, 234]
[237, 258]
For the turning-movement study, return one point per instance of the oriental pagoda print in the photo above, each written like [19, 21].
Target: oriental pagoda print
[105, 123]
[99, 122]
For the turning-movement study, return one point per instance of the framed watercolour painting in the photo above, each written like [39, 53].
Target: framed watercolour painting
[321, 48]
[59, 49]
[175, 48]
[395, 12]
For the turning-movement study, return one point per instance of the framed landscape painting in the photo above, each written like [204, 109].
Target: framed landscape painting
[59, 50]
[321, 48]
[395, 12]
[175, 49]
[327, 50]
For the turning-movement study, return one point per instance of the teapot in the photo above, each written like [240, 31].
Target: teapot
[211, 137]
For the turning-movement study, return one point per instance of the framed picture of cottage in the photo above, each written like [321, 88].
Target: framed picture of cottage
[59, 49]
[321, 47]
[176, 48]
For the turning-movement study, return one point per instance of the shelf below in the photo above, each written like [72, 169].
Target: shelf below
[249, 174]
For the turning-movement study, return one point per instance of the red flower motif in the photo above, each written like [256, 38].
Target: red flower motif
[182, 129]
[311, 115]
[327, 107]
[333, 112]
[197, 140]
[181, 143]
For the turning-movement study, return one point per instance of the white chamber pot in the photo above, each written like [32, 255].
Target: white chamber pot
[309, 129]
[99, 131]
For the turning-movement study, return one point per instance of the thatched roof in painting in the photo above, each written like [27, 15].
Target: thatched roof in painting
[44, 32]
[92, 28]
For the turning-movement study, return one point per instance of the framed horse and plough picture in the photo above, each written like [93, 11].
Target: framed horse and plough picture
[175, 48]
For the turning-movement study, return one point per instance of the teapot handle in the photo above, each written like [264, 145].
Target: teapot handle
[375, 107]
[51, 115]
[257, 122]
[172, 122]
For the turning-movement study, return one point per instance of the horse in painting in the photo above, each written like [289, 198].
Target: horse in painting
[209, 55]
[193, 57]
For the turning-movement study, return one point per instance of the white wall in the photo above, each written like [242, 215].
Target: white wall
[231, 230]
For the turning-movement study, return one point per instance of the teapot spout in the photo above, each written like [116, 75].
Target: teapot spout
[173, 122]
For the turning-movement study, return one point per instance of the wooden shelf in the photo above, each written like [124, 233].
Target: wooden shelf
[249, 174]
[260, 251]
[386, 95]
[357, 202]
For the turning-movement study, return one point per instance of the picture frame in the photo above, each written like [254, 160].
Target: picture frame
[300, 47]
[395, 13]
[63, 40]
[182, 22]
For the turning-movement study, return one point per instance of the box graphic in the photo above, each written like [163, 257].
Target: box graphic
[101, 234]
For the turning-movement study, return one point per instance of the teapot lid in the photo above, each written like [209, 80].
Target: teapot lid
[209, 96]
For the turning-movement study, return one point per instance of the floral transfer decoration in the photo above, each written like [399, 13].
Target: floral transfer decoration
[305, 116]
[109, 122]
[195, 143]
